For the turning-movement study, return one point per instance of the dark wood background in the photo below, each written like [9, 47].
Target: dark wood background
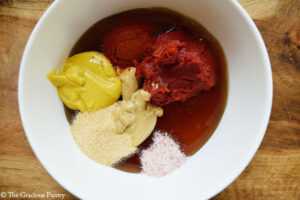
[274, 173]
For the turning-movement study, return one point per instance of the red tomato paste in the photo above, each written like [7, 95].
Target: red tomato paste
[178, 69]
[128, 41]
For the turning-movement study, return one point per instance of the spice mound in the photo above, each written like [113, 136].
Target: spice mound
[128, 41]
[178, 69]
[162, 157]
[97, 136]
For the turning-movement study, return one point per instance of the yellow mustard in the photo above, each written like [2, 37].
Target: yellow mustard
[87, 81]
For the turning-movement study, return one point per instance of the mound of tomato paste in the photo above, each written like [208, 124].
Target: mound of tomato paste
[128, 41]
[178, 68]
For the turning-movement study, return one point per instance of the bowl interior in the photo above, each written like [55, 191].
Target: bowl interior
[206, 173]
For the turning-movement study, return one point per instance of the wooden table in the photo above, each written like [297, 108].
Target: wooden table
[274, 173]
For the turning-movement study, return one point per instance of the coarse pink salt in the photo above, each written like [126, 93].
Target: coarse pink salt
[162, 157]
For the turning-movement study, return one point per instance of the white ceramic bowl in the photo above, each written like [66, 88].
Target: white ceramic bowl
[212, 168]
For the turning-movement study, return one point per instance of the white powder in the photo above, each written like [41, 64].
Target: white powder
[162, 157]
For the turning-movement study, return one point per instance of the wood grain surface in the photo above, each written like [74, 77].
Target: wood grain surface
[274, 173]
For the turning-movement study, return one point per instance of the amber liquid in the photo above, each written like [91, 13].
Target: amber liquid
[190, 123]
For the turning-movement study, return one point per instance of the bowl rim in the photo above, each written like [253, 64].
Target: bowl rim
[269, 97]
